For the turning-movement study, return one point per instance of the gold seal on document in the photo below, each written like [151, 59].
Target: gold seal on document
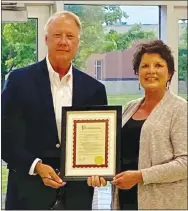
[99, 160]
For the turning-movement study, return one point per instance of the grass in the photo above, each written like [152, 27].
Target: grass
[122, 99]
[112, 100]
[4, 172]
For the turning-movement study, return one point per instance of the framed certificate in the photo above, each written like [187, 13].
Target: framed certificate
[90, 142]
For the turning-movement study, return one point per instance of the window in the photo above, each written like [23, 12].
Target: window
[109, 34]
[182, 59]
[98, 69]
[19, 49]
[106, 50]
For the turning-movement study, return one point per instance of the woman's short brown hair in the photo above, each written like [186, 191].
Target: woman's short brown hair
[155, 46]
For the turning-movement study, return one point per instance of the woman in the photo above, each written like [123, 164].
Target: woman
[154, 138]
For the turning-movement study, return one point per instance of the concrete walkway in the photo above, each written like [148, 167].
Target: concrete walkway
[101, 199]
[3, 201]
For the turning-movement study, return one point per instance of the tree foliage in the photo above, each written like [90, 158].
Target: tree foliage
[122, 41]
[18, 45]
[183, 56]
[183, 64]
[114, 14]
[94, 39]
[92, 36]
[19, 39]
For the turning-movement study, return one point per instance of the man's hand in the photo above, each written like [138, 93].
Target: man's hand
[96, 181]
[127, 179]
[48, 175]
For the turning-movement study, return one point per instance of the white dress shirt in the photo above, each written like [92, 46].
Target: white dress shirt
[62, 96]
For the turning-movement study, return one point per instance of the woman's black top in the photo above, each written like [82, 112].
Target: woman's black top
[129, 160]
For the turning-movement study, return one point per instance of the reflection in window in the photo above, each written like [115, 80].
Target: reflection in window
[182, 59]
[19, 49]
[109, 35]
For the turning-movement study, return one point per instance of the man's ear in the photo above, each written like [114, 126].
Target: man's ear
[79, 42]
[46, 39]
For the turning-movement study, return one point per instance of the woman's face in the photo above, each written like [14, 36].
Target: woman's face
[153, 72]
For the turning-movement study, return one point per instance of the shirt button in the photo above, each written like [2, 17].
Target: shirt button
[57, 145]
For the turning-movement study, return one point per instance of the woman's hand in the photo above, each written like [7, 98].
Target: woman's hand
[127, 179]
[96, 181]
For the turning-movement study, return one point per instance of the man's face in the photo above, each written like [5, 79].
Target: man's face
[62, 39]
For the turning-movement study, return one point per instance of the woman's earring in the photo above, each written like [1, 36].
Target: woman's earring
[139, 86]
[167, 84]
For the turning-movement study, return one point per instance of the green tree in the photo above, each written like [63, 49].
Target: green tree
[93, 19]
[183, 64]
[114, 14]
[183, 56]
[19, 39]
[18, 45]
[92, 36]
[183, 35]
[94, 39]
[125, 40]
[111, 14]
[76, 9]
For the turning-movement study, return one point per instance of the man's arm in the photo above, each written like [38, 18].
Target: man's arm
[176, 169]
[102, 96]
[13, 127]
[13, 136]
[99, 97]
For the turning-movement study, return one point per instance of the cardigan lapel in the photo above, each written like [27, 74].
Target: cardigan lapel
[130, 110]
[158, 110]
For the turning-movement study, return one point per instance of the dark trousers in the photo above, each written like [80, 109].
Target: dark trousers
[128, 199]
[29, 193]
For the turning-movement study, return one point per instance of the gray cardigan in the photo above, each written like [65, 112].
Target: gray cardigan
[162, 155]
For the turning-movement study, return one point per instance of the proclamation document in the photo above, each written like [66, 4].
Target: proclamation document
[90, 142]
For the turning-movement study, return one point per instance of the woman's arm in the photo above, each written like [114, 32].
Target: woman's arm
[176, 169]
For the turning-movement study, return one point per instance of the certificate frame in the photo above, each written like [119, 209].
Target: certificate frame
[108, 118]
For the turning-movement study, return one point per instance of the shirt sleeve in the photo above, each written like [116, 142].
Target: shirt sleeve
[32, 168]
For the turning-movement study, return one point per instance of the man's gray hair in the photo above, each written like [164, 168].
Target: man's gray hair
[60, 14]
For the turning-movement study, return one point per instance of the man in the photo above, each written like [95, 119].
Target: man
[31, 120]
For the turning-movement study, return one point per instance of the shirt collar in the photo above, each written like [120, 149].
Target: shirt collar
[54, 75]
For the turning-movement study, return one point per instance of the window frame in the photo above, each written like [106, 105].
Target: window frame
[168, 24]
[96, 69]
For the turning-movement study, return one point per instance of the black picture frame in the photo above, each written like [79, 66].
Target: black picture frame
[64, 126]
